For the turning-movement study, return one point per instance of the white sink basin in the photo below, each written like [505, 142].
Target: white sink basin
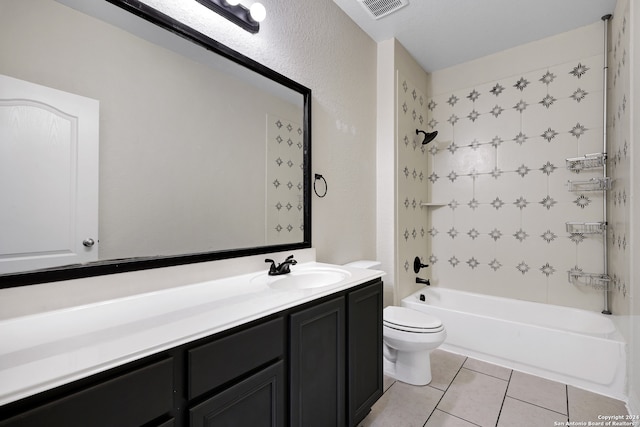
[310, 278]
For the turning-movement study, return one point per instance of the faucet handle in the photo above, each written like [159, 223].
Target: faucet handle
[417, 265]
[272, 268]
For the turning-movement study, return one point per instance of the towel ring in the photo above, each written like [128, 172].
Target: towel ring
[326, 187]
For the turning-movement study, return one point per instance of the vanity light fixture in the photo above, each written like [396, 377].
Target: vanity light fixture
[247, 18]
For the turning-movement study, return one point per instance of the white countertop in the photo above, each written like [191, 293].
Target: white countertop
[46, 350]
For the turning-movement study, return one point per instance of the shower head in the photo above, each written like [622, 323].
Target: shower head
[428, 137]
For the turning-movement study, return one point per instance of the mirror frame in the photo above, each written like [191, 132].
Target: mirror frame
[106, 267]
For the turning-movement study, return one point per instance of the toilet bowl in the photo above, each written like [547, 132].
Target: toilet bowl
[409, 336]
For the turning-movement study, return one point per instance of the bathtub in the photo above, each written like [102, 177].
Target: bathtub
[572, 346]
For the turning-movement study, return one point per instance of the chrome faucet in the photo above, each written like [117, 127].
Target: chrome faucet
[283, 268]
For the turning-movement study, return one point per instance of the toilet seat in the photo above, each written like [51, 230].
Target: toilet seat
[407, 320]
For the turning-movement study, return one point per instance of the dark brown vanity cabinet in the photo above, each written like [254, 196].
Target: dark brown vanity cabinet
[246, 371]
[256, 401]
[364, 351]
[336, 359]
[319, 364]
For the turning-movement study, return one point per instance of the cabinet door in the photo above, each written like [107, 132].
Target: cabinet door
[318, 365]
[257, 401]
[364, 351]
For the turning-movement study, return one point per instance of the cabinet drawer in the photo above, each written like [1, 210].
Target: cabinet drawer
[222, 360]
[131, 399]
[257, 401]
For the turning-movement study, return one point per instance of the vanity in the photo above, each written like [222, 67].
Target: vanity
[243, 350]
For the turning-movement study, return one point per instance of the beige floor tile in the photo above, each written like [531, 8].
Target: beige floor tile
[538, 391]
[474, 397]
[403, 405]
[387, 382]
[488, 368]
[586, 406]
[522, 414]
[444, 367]
[442, 419]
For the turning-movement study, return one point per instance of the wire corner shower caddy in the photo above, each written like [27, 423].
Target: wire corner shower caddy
[598, 281]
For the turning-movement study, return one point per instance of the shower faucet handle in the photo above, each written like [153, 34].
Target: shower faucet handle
[417, 265]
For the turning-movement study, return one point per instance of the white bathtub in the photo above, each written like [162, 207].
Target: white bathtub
[573, 346]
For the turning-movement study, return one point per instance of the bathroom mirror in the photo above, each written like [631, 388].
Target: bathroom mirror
[204, 154]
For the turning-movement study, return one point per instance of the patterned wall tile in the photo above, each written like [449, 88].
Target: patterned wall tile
[413, 176]
[618, 163]
[284, 181]
[499, 165]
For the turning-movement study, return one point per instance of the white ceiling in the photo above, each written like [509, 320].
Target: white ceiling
[442, 33]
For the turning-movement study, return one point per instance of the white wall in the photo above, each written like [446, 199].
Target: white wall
[385, 166]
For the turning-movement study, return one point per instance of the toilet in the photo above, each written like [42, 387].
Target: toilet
[409, 337]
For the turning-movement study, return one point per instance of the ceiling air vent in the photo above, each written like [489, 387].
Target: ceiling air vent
[381, 8]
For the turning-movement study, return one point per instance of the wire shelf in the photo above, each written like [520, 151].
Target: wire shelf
[586, 227]
[593, 280]
[593, 184]
[588, 161]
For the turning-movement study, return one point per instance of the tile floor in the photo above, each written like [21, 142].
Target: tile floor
[465, 392]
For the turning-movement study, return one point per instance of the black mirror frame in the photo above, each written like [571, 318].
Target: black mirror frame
[133, 264]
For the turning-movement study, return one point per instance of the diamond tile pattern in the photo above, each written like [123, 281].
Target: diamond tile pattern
[619, 161]
[284, 181]
[498, 170]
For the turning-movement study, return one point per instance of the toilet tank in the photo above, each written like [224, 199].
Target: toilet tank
[363, 263]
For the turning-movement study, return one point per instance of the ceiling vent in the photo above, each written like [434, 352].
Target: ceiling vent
[381, 8]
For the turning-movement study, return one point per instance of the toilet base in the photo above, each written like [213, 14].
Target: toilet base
[412, 367]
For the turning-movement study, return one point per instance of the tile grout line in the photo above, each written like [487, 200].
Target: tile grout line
[445, 391]
[489, 375]
[506, 390]
[460, 418]
[537, 406]
[566, 393]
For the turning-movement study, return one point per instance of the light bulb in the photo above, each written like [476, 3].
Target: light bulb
[233, 2]
[258, 12]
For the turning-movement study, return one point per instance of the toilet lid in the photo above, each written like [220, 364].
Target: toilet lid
[410, 320]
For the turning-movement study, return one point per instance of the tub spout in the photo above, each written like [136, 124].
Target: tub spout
[423, 281]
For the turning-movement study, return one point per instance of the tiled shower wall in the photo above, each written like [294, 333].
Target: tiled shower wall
[497, 174]
[619, 164]
[412, 231]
